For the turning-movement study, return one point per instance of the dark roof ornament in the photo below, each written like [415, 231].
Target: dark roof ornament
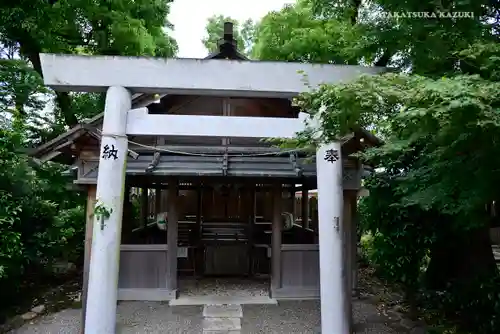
[228, 47]
[228, 33]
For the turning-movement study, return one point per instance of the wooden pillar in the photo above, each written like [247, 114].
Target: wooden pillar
[172, 234]
[198, 251]
[163, 205]
[144, 206]
[127, 216]
[199, 211]
[354, 245]
[346, 230]
[89, 223]
[276, 237]
[157, 200]
[249, 216]
[305, 206]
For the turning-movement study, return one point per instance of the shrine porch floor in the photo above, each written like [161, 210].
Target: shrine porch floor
[236, 287]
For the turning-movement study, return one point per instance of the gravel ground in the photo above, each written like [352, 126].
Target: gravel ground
[300, 317]
[132, 318]
[235, 287]
[304, 317]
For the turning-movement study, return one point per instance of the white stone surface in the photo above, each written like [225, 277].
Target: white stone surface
[221, 300]
[28, 315]
[330, 215]
[222, 324]
[191, 76]
[38, 309]
[222, 311]
[139, 122]
[104, 265]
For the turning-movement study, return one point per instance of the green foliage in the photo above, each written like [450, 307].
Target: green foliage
[400, 234]
[63, 238]
[425, 223]
[108, 27]
[22, 89]
[10, 239]
[436, 172]
[40, 221]
[451, 123]
[292, 34]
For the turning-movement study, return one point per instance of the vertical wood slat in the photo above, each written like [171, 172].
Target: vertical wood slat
[172, 234]
[144, 206]
[164, 204]
[354, 243]
[198, 251]
[89, 223]
[276, 237]
[143, 269]
[346, 229]
[249, 216]
[157, 206]
[203, 214]
[305, 207]
[300, 269]
[313, 213]
[229, 259]
[199, 210]
[127, 220]
[495, 235]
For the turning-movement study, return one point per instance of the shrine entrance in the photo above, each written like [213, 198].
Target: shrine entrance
[216, 100]
[226, 230]
[234, 242]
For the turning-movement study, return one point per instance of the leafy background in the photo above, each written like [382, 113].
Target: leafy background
[433, 196]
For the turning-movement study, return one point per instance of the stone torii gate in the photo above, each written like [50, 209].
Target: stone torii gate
[121, 77]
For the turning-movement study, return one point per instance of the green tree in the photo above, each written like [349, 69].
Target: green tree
[294, 34]
[93, 27]
[439, 121]
[439, 174]
[40, 220]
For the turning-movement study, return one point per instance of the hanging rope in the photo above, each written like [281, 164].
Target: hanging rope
[155, 148]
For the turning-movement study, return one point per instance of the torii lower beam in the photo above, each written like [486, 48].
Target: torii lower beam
[139, 122]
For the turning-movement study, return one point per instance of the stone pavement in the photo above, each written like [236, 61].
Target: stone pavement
[300, 317]
[378, 310]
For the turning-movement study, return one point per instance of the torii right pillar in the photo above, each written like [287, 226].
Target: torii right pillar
[335, 307]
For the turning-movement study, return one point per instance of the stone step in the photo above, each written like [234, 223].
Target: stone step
[219, 300]
[222, 311]
[224, 324]
[209, 331]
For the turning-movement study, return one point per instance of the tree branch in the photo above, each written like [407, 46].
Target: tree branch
[356, 4]
[384, 59]
[32, 52]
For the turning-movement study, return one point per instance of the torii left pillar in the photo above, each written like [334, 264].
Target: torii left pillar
[104, 264]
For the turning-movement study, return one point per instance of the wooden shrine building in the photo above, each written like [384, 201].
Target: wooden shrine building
[184, 137]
